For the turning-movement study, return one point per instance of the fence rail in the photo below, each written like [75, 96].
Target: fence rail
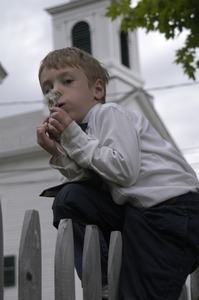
[29, 263]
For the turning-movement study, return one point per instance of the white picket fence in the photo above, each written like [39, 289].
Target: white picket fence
[29, 263]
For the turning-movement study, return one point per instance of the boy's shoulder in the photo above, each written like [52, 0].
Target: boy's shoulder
[111, 106]
[108, 105]
[117, 108]
[108, 112]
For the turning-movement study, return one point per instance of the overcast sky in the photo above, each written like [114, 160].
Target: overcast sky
[26, 37]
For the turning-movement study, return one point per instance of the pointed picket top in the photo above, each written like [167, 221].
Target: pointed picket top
[64, 262]
[29, 264]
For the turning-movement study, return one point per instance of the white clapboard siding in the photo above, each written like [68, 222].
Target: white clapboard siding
[20, 192]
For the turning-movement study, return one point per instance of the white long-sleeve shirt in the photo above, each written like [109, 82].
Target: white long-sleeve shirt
[137, 164]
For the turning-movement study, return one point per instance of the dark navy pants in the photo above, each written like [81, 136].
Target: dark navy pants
[160, 244]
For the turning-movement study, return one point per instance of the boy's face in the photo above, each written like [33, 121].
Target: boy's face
[71, 83]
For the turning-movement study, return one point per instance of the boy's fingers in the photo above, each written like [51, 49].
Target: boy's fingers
[59, 122]
[61, 115]
[42, 134]
[55, 108]
[46, 120]
[53, 131]
[41, 129]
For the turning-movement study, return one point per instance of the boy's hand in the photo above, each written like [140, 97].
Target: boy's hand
[46, 142]
[58, 121]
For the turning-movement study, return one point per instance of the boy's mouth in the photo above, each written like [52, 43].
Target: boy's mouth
[60, 104]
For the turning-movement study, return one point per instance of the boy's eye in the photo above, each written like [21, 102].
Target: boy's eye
[67, 81]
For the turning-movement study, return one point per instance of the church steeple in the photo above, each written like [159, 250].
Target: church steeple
[82, 23]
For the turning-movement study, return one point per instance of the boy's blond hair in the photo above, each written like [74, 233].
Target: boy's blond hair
[75, 57]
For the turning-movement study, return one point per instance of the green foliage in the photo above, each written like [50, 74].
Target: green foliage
[169, 17]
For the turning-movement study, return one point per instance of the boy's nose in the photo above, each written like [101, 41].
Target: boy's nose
[57, 88]
[57, 91]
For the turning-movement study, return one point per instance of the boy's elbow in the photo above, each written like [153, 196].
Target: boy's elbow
[129, 175]
[129, 180]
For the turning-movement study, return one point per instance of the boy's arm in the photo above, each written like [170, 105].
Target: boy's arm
[60, 160]
[69, 168]
[113, 153]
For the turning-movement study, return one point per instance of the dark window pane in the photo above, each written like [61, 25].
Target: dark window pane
[9, 271]
[81, 36]
[124, 49]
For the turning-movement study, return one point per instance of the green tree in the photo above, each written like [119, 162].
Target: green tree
[169, 17]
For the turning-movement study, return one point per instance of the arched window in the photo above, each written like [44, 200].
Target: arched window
[124, 49]
[81, 36]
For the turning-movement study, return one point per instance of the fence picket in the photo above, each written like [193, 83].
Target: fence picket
[195, 285]
[91, 270]
[1, 256]
[64, 262]
[29, 264]
[114, 264]
[184, 294]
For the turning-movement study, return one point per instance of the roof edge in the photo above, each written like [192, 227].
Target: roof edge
[19, 152]
[70, 5]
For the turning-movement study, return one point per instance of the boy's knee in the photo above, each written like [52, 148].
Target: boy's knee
[69, 193]
[72, 201]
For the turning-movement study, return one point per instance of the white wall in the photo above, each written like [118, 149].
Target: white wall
[20, 192]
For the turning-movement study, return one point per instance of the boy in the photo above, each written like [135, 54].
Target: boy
[121, 175]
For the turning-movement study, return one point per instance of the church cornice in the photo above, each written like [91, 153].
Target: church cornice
[71, 5]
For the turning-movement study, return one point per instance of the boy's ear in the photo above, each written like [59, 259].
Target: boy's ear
[98, 90]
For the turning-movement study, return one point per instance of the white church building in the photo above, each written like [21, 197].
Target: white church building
[24, 169]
